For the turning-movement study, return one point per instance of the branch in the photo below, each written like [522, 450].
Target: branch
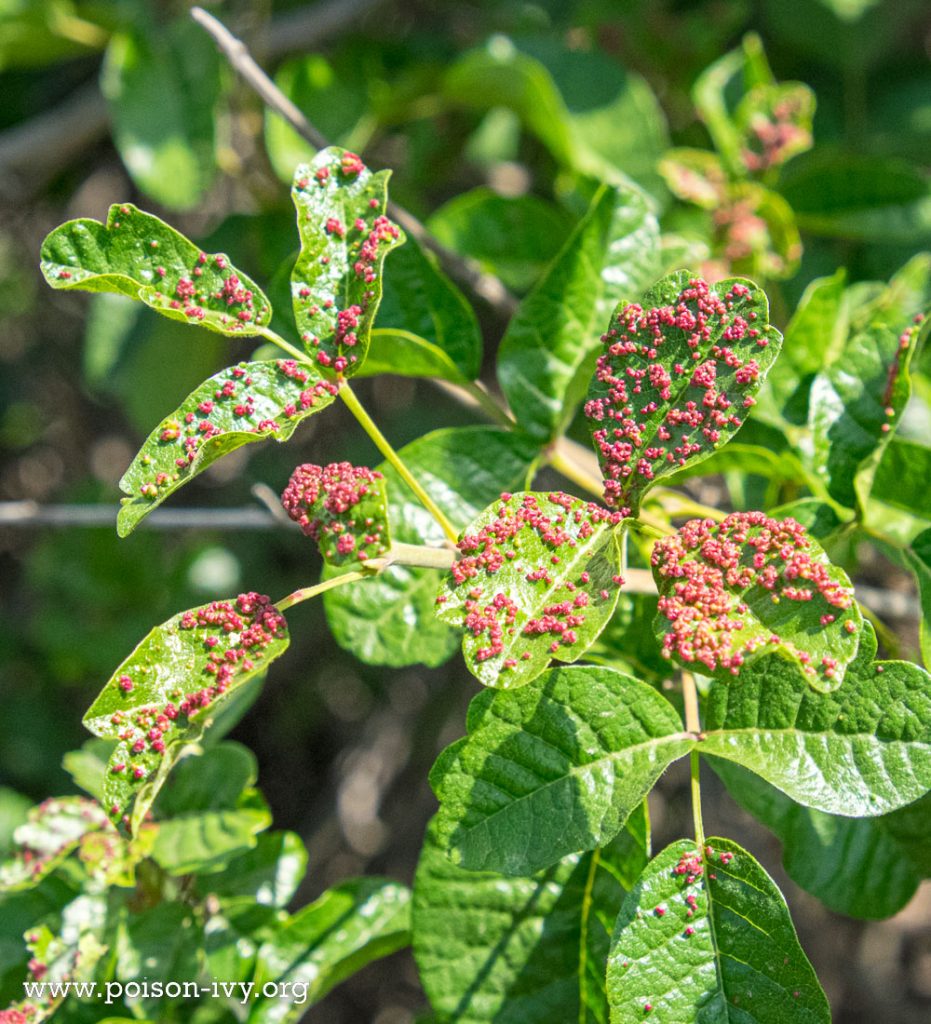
[465, 271]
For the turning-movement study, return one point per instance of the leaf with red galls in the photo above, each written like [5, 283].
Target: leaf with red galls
[160, 696]
[731, 590]
[343, 508]
[345, 237]
[676, 379]
[240, 405]
[139, 255]
[537, 579]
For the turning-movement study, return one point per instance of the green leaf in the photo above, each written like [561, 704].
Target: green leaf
[138, 255]
[420, 300]
[240, 405]
[537, 579]
[731, 590]
[551, 769]
[513, 237]
[857, 401]
[208, 813]
[860, 751]
[164, 695]
[547, 353]
[695, 176]
[269, 874]
[336, 284]
[853, 865]
[628, 642]
[390, 619]
[51, 832]
[335, 103]
[513, 950]
[87, 766]
[860, 197]
[349, 926]
[162, 85]
[902, 477]
[706, 936]
[813, 337]
[676, 377]
[918, 557]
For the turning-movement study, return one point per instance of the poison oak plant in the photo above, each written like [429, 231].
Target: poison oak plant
[538, 897]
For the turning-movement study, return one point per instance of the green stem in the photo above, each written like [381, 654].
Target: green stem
[488, 404]
[381, 443]
[693, 724]
[306, 593]
[572, 471]
[276, 339]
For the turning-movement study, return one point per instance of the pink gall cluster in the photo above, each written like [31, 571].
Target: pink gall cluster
[673, 382]
[233, 638]
[237, 403]
[557, 523]
[341, 507]
[774, 136]
[708, 572]
[80, 817]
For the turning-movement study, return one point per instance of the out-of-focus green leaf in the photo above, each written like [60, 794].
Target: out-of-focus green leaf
[552, 768]
[163, 85]
[241, 405]
[138, 255]
[548, 351]
[163, 695]
[390, 619]
[349, 926]
[706, 935]
[853, 865]
[337, 281]
[87, 766]
[268, 874]
[513, 237]
[519, 949]
[419, 299]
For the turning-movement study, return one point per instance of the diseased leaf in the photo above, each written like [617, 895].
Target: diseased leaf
[513, 237]
[853, 865]
[349, 926]
[240, 405]
[514, 950]
[139, 255]
[857, 401]
[163, 695]
[775, 124]
[537, 579]
[706, 936]
[676, 378]
[344, 508]
[336, 284]
[162, 84]
[419, 299]
[731, 590]
[390, 619]
[551, 769]
[860, 751]
[547, 352]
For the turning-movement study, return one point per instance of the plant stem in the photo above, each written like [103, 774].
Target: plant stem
[574, 472]
[292, 350]
[487, 403]
[381, 443]
[693, 725]
[306, 593]
[682, 504]
[420, 555]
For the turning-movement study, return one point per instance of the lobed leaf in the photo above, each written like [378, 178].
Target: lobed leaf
[537, 579]
[856, 402]
[731, 590]
[243, 404]
[336, 284]
[853, 865]
[349, 926]
[139, 255]
[676, 379]
[545, 357]
[553, 768]
[705, 935]
[522, 949]
[163, 695]
[860, 751]
[390, 619]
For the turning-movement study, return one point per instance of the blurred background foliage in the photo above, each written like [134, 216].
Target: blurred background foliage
[496, 116]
